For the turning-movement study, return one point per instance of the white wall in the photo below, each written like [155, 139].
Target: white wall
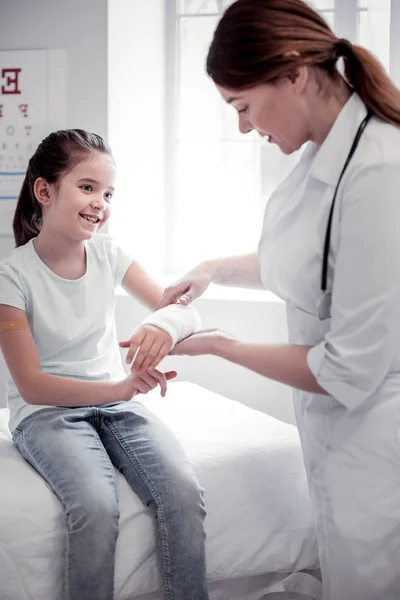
[80, 26]
[136, 118]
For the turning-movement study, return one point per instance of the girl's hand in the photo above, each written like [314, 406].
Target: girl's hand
[141, 382]
[207, 341]
[188, 288]
[151, 343]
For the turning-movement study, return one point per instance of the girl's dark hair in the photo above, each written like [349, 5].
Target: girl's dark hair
[260, 41]
[57, 154]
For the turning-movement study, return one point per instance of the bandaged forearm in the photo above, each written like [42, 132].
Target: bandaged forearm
[176, 319]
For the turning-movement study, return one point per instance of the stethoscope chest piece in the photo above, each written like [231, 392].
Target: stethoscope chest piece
[324, 306]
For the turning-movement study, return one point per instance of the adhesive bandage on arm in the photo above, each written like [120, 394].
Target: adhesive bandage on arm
[13, 326]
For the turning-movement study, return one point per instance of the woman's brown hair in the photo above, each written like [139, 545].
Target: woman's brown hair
[260, 41]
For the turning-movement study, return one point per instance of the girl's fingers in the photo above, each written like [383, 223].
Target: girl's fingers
[154, 378]
[152, 359]
[142, 353]
[161, 353]
[135, 343]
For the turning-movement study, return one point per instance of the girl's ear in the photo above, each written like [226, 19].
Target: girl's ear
[43, 191]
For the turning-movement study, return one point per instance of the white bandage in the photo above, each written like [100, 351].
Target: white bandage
[176, 319]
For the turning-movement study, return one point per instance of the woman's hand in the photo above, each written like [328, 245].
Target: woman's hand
[207, 341]
[151, 343]
[141, 382]
[187, 288]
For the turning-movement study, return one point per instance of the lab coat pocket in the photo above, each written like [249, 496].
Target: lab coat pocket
[306, 328]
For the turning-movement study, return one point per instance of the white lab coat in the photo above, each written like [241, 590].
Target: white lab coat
[351, 438]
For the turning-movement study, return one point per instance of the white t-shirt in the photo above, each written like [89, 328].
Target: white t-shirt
[72, 321]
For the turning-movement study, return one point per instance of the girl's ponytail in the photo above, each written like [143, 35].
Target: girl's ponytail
[28, 214]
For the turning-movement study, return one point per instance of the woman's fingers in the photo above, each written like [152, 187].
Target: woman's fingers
[173, 293]
[185, 299]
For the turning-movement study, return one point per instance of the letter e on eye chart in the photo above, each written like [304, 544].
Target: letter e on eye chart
[23, 121]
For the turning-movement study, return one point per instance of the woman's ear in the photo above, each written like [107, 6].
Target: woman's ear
[43, 191]
[298, 78]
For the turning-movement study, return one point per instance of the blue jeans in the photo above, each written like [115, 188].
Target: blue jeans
[74, 450]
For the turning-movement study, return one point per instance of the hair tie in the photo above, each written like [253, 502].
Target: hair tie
[343, 47]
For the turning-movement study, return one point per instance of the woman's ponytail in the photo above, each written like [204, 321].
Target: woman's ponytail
[369, 79]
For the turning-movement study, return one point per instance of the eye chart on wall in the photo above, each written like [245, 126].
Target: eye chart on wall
[32, 103]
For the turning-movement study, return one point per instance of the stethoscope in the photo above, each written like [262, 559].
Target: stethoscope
[324, 303]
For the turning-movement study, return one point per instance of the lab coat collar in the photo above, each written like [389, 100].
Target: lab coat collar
[331, 155]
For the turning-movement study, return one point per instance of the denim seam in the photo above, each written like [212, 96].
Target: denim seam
[164, 542]
[99, 444]
[34, 414]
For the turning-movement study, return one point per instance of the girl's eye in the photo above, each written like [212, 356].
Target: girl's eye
[244, 110]
[108, 195]
[87, 188]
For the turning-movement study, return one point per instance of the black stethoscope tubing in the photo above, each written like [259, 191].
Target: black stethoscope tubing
[327, 242]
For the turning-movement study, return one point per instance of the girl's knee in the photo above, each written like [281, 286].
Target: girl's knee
[93, 508]
[188, 495]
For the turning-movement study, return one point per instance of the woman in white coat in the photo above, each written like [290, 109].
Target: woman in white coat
[337, 266]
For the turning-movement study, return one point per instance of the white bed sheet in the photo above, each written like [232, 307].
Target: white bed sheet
[259, 525]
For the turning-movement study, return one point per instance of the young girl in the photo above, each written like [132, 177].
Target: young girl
[73, 415]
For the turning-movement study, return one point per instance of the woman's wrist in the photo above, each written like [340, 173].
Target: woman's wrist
[209, 268]
[223, 347]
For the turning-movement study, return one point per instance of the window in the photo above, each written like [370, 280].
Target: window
[215, 188]
[209, 188]
[219, 179]
[373, 28]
